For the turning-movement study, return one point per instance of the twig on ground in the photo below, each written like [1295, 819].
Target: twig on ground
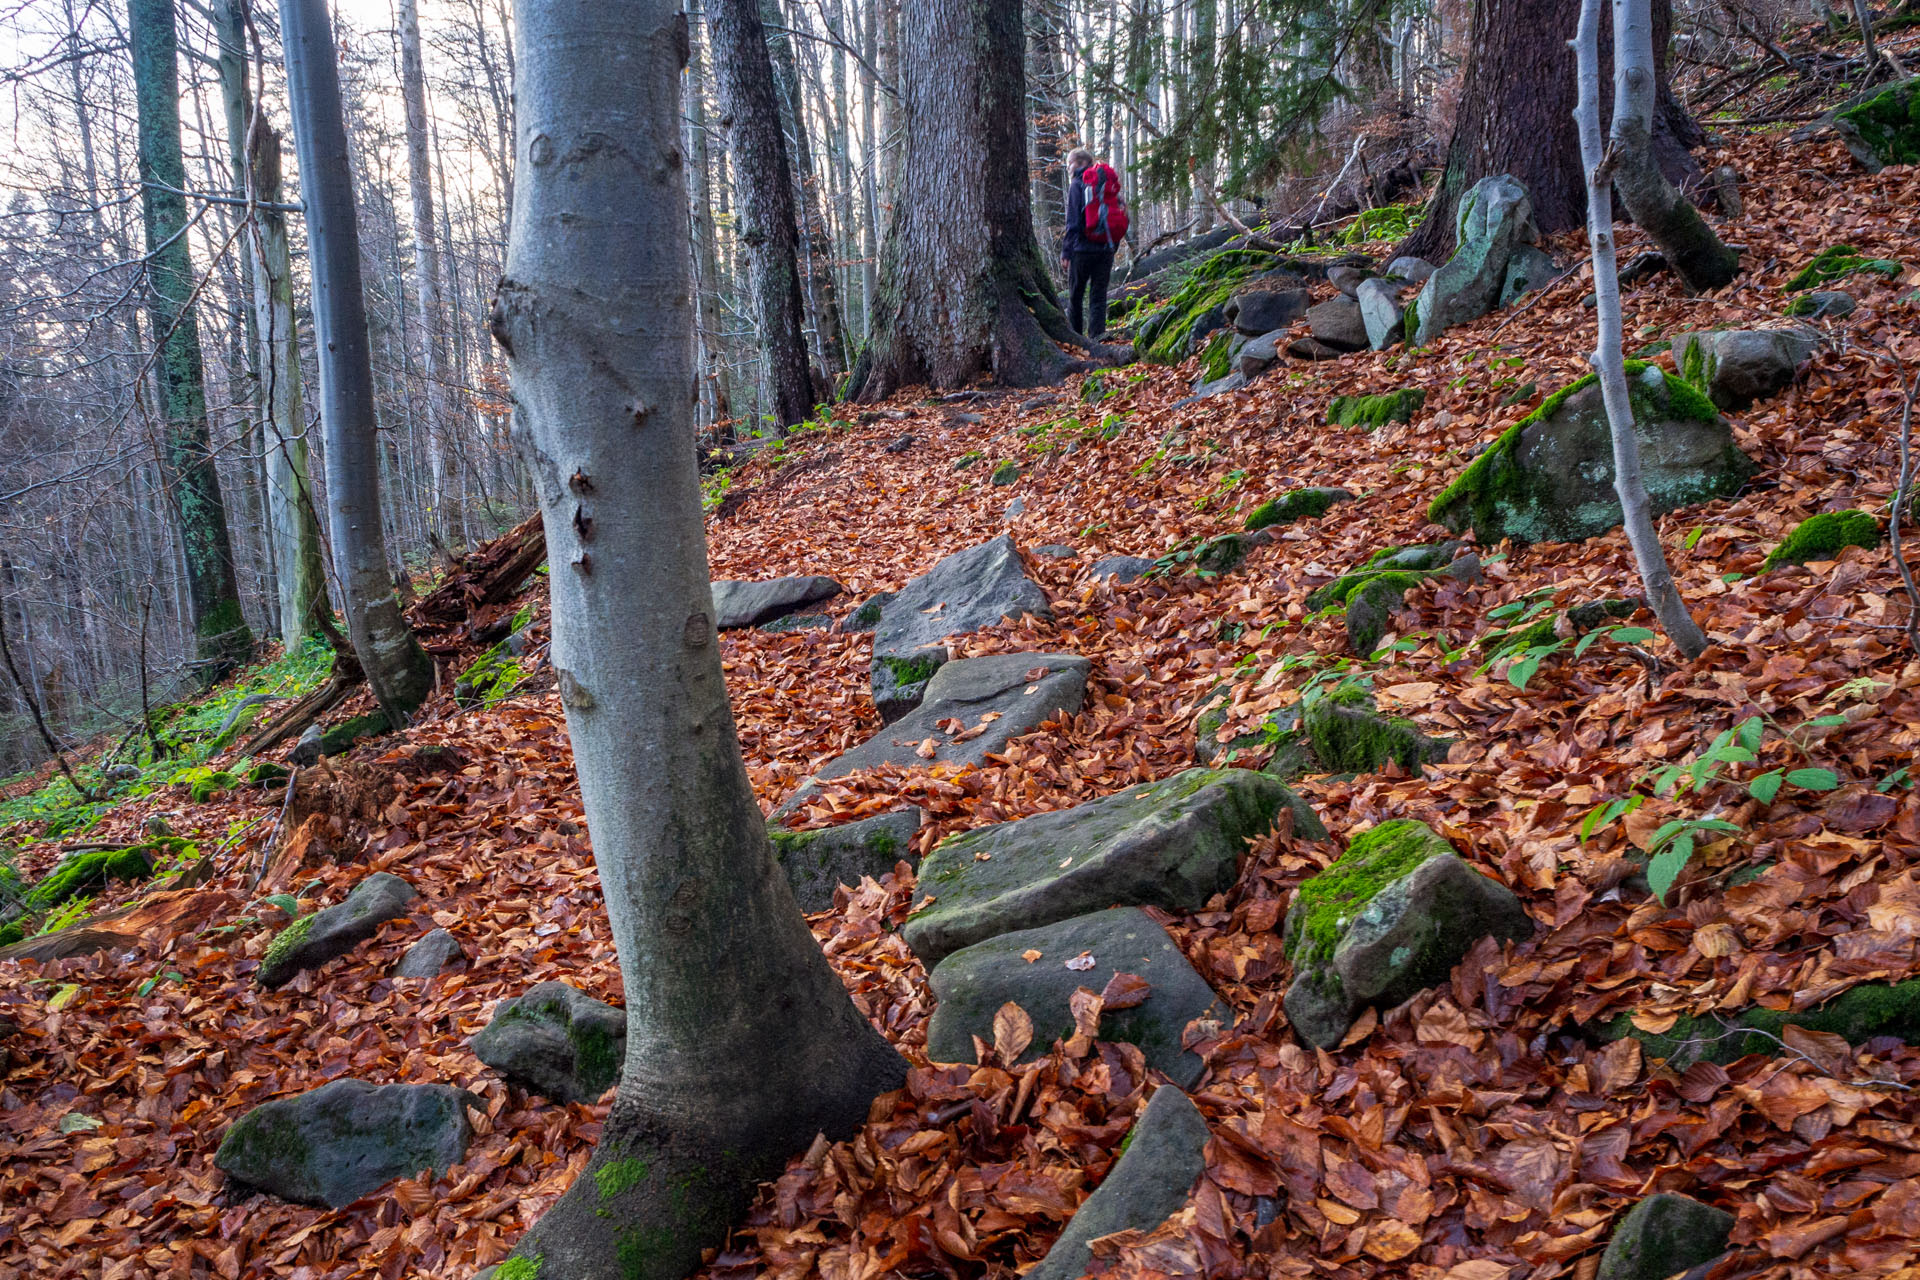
[1902, 495]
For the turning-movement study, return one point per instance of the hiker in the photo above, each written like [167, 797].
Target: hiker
[1096, 224]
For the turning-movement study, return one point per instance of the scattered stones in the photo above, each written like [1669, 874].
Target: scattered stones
[1839, 261]
[1735, 367]
[1056, 551]
[1413, 270]
[346, 1140]
[971, 589]
[1337, 323]
[311, 941]
[1493, 219]
[1885, 129]
[968, 690]
[1348, 279]
[973, 983]
[1037, 403]
[746, 604]
[1162, 1158]
[1387, 920]
[1381, 312]
[1375, 411]
[1300, 504]
[1528, 269]
[557, 1041]
[1550, 477]
[1664, 1235]
[1253, 314]
[1257, 355]
[1822, 536]
[1172, 843]
[817, 862]
[1123, 568]
[427, 957]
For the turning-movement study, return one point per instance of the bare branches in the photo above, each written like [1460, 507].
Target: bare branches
[1902, 498]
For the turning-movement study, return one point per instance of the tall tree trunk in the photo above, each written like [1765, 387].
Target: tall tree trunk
[299, 573]
[426, 264]
[963, 288]
[706, 255]
[397, 669]
[742, 1044]
[223, 641]
[1050, 126]
[750, 113]
[816, 243]
[1515, 116]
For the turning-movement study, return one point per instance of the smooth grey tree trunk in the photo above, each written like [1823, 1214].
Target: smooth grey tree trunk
[426, 263]
[1608, 360]
[397, 669]
[742, 1044]
[222, 639]
[815, 243]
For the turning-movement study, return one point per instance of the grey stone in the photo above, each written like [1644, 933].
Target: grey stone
[313, 940]
[1348, 279]
[1056, 551]
[1125, 568]
[1015, 509]
[346, 1140]
[1550, 478]
[1163, 1157]
[973, 983]
[867, 616]
[900, 445]
[817, 862]
[1411, 269]
[798, 622]
[1256, 356]
[1493, 219]
[965, 690]
[1381, 313]
[1204, 327]
[1173, 843]
[971, 589]
[743, 604]
[307, 750]
[1822, 304]
[1232, 382]
[1264, 311]
[1528, 268]
[1337, 323]
[1664, 1235]
[1404, 936]
[557, 1041]
[1736, 367]
[430, 955]
[1311, 348]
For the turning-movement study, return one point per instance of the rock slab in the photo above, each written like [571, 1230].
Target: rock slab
[430, 955]
[1664, 1235]
[969, 590]
[1381, 312]
[1256, 313]
[817, 862]
[557, 1041]
[1165, 1154]
[974, 982]
[1124, 568]
[1494, 218]
[747, 604]
[968, 690]
[1337, 323]
[313, 940]
[1173, 843]
[346, 1140]
[1736, 367]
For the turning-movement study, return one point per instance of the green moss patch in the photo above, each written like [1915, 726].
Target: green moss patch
[908, 671]
[1375, 411]
[518, 1269]
[1351, 738]
[619, 1176]
[341, 738]
[89, 872]
[1821, 537]
[1323, 906]
[1165, 334]
[967, 459]
[285, 941]
[1300, 504]
[1837, 263]
[1216, 359]
[1865, 1012]
[1888, 124]
[494, 675]
[1004, 474]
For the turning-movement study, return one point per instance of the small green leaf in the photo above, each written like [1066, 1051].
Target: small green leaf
[1632, 635]
[63, 997]
[1814, 779]
[1826, 722]
[1693, 536]
[1892, 780]
[1667, 866]
[1765, 787]
[1750, 731]
[78, 1122]
[1522, 671]
[1585, 642]
[1667, 831]
[285, 901]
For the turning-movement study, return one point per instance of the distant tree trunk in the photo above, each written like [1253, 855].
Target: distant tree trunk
[963, 288]
[223, 640]
[1050, 127]
[742, 1044]
[426, 264]
[750, 113]
[397, 669]
[1515, 116]
[706, 254]
[816, 243]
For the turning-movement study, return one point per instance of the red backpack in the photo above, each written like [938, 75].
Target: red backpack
[1106, 211]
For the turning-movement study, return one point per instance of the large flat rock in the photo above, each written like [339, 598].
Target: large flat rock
[1173, 843]
[1021, 690]
[818, 862]
[346, 1140]
[747, 604]
[979, 587]
[974, 982]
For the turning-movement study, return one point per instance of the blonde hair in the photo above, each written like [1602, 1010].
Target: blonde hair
[1078, 159]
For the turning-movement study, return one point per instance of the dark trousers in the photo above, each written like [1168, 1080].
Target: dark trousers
[1088, 275]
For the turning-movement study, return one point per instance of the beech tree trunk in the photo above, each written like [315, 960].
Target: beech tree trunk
[964, 290]
[750, 114]
[742, 1044]
[223, 641]
[426, 264]
[397, 669]
[1515, 116]
[816, 243]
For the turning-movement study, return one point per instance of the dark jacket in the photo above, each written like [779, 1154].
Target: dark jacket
[1075, 241]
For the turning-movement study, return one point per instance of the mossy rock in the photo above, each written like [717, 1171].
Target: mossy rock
[1351, 737]
[1215, 707]
[1885, 129]
[1004, 474]
[1549, 478]
[1299, 504]
[966, 460]
[1839, 261]
[312, 941]
[88, 873]
[1375, 411]
[1664, 1235]
[1863, 1013]
[818, 862]
[557, 1041]
[1823, 536]
[346, 1140]
[867, 616]
[1216, 359]
[266, 773]
[1167, 334]
[343, 737]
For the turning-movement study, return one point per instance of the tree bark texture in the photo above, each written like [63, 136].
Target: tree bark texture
[742, 1043]
[815, 242]
[426, 263]
[223, 640]
[398, 670]
[1515, 116]
[963, 288]
[750, 113]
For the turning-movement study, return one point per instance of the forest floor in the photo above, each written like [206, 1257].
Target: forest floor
[1472, 1134]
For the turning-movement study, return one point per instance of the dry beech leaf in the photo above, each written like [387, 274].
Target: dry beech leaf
[1012, 1032]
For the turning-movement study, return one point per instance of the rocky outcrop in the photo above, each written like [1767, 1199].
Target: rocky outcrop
[1381, 312]
[557, 1041]
[311, 941]
[1494, 219]
[748, 604]
[818, 862]
[346, 1140]
[1885, 129]
[1255, 313]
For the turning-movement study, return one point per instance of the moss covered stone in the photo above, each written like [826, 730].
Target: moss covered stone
[1549, 478]
[1216, 360]
[1863, 1013]
[1348, 738]
[1005, 474]
[1300, 504]
[967, 459]
[287, 940]
[1839, 261]
[1375, 411]
[87, 873]
[518, 1269]
[1885, 129]
[1664, 1235]
[266, 773]
[341, 738]
[1324, 905]
[1167, 334]
[557, 1041]
[818, 862]
[313, 940]
[1822, 536]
